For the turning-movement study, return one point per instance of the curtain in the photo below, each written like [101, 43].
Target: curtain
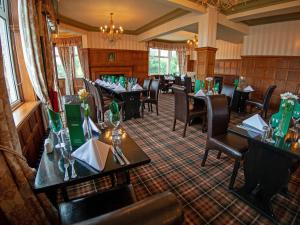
[182, 61]
[32, 50]
[66, 56]
[18, 203]
[81, 59]
[167, 45]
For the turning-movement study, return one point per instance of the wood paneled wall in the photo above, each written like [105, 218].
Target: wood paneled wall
[78, 84]
[262, 71]
[30, 130]
[97, 60]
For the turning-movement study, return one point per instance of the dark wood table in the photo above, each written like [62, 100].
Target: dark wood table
[50, 174]
[131, 101]
[239, 100]
[267, 169]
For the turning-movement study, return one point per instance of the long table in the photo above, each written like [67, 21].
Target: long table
[131, 100]
[50, 174]
[267, 168]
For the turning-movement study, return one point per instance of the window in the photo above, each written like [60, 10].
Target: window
[163, 62]
[60, 68]
[8, 62]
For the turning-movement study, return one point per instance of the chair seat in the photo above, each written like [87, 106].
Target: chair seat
[255, 103]
[95, 205]
[230, 144]
[196, 113]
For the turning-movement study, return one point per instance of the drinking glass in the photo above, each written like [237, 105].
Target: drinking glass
[56, 126]
[296, 118]
[273, 123]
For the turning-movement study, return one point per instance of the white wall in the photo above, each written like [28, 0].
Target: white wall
[273, 39]
[128, 42]
[228, 50]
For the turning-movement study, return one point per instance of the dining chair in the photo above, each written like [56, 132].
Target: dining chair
[228, 91]
[183, 111]
[264, 105]
[218, 138]
[188, 84]
[218, 80]
[177, 80]
[146, 86]
[152, 98]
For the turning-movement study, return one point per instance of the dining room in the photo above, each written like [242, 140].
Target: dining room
[162, 112]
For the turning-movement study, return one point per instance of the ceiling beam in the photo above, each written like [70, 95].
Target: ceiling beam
[169, 27]
[273, 10]
[242, 28]
[189, 5]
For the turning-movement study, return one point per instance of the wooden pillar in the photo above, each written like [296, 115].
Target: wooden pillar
[206, 57]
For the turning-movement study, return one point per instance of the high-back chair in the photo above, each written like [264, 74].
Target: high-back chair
[177, 80]
[146, 86]
[188, 84]
[152, 98]
[228, 91]
[217, 136]
[265, 104]
[218, 80]
[182, 111]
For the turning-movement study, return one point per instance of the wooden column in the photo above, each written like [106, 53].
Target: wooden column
[206, 57]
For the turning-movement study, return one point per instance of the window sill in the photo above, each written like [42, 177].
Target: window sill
[24, 111]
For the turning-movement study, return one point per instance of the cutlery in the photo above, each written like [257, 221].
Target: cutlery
[117, 156]
[66, 166]
[72, 161]
[122, 155]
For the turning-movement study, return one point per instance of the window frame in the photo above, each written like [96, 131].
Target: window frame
[159, 56]
[5, 14]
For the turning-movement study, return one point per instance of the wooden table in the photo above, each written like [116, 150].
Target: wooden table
[267, 170]
[131, 101]
[50, 174]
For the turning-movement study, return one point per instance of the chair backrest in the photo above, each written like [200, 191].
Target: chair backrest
[188, 84]
[154, 88]
[177, 80]
[86, 85]
[228, 91]
[267, 96]
[218, 80]
[181, 102]
[217, 115]
[146, 84]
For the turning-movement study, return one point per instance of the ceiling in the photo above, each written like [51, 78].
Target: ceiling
[138, 16]
[131, 14]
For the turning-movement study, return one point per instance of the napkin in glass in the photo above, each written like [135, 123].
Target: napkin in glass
[200, 93]
[93, 153]
[137, 87]
[255, 123]
[248, 88]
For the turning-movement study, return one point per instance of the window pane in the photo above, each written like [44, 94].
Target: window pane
[60, 69]
[153, 65]
[163, 66]
[153, 52]
[9, 74]
[164, 53]
[78, 69]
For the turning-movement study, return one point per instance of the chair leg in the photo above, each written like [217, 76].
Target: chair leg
[234, 173]
[143, 106]
[184, 130]
[205, 156]
[219, 155]
[148, 107]
[156, 108]
[174, 124]
[151, 108]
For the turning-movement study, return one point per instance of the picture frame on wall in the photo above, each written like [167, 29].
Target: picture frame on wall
[111, 56]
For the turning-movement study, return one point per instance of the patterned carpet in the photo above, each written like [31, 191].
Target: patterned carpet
[175, 166]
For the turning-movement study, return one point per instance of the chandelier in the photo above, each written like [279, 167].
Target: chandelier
[111, 33]
[221, 5]
[193, 43]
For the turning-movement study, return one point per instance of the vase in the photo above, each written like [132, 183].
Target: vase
[86, 112]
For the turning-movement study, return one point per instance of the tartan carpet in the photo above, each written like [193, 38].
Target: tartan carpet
[176, 166]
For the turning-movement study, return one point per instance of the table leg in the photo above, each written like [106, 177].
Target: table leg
[65, 194]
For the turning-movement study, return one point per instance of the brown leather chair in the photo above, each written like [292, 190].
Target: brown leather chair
[264, 105]
[146, 86]
[152, 98]
[119, 206]
[177, 80]
[228, 91]
[217, 136]
[183, 111]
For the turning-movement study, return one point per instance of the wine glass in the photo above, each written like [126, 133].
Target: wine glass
[295, 118]
[273, 123]
[56, 126]
[115, 120]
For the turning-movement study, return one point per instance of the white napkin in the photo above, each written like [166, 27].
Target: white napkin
[255, 122]
[113, 86]
[120, 88]
[200, 93]
[248, 88]
[92, 124]
[137, 87]
[93, 153]
[98, 81]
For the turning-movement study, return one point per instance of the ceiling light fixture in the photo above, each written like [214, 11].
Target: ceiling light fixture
[193, 43]
[111, 33]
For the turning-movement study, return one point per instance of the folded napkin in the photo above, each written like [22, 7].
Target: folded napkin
[120, 88]
[93, 153]
[48, 145]
[93, 126]
[98, 81]
[255, 123]
[137, 87]
[200, 93]
[113, 86]
[248, 88]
